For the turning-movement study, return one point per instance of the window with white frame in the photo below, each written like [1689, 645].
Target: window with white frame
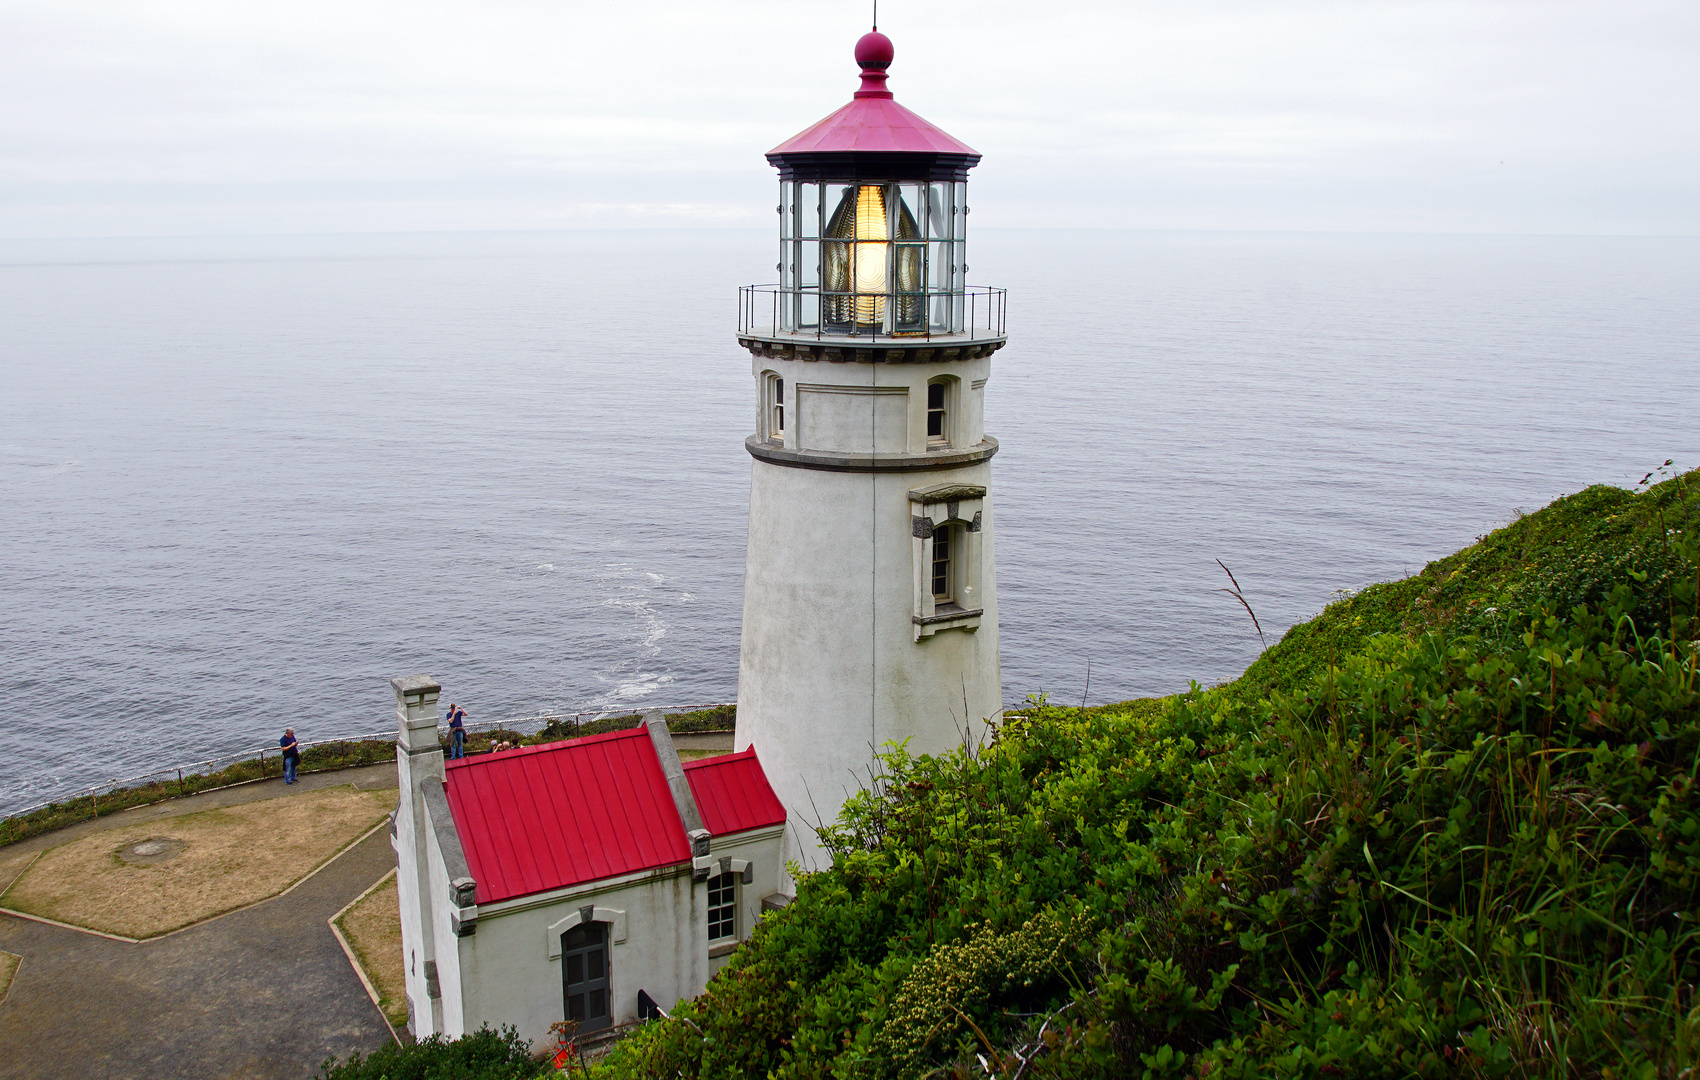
[943, 586]
[937, 413]
[942, 409]
[773, 407]
[723, 907]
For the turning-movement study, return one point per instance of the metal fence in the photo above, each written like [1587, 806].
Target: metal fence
[772, 311]
[524, 725]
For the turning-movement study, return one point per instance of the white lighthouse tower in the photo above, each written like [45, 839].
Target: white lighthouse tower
[870, 597]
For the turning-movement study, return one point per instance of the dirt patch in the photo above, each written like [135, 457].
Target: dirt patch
[373, 930]
[692, 755]
[138, 883]
[152, 851]
[8, 967]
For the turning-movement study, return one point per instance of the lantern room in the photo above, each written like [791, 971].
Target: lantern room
[873, 222]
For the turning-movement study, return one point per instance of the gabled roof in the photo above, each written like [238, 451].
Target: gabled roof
[733, 794]
[546, 817]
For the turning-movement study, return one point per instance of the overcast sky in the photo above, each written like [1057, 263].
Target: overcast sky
[155, 117]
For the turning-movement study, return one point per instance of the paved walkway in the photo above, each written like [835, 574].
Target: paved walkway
[262, 993]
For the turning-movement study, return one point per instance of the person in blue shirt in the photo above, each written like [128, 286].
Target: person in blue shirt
[291, 754]
[457, 731]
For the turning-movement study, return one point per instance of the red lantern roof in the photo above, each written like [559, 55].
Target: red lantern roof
[545, 817]
[873, 123]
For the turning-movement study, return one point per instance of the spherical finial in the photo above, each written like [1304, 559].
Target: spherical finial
[874, 51]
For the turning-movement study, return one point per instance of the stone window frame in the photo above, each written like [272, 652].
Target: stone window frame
[614, 917]
[742, 872]
[959, 508]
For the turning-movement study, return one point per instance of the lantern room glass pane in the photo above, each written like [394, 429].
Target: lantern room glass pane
[938, 211]
[806, 215]
[808, 263]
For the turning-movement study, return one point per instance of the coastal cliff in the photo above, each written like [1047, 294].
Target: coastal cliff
[1448, 827]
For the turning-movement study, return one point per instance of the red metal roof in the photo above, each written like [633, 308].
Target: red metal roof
[873, 122]
[732, 793]
[544, 817]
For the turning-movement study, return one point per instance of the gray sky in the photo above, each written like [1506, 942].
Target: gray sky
[210, 116]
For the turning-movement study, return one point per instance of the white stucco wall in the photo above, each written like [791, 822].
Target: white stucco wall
[452, 981]
[417, 728]
[829, 663]
[509, 970]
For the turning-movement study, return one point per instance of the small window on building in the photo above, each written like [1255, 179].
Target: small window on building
[937, 395]
[722, 907]
[776, 425]
[942, 591]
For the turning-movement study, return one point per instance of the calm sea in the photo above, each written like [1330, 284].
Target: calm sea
[243, 482]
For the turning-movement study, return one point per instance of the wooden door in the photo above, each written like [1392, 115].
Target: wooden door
[584, 976]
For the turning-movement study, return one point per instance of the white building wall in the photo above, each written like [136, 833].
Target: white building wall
[418, 756]
[452, 984]
[830, 666]
[659, 946]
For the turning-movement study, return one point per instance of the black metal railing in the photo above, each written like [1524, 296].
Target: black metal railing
[976, 312]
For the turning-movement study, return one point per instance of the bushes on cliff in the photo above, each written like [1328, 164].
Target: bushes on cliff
[482, 1055]
[1468, 848]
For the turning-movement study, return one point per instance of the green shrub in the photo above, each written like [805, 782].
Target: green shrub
[1418, 838]
[483, 1055]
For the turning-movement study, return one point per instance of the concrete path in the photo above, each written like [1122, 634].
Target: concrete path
[261, 993]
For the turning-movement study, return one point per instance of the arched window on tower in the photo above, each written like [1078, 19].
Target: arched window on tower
[773, 407]
[941, 410]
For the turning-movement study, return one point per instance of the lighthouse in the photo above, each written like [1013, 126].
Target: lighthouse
[870, 591]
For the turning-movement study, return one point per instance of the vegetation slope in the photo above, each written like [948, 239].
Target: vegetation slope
[1449, 827]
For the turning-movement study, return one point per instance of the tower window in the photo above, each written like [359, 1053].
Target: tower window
[722, 907]
[770, 416]
[936, 412]
[942, 592]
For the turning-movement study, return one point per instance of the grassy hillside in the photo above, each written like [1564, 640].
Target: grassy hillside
[1447, 828]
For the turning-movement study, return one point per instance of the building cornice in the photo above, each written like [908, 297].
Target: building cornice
[858, 461]
[883, 350]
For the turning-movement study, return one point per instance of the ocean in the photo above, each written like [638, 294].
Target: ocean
[244, 481]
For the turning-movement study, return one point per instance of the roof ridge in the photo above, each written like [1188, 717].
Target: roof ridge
[558, 744]
[721, 759]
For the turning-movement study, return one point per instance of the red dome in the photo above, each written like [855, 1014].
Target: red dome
[874, 50]
[873, 123]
